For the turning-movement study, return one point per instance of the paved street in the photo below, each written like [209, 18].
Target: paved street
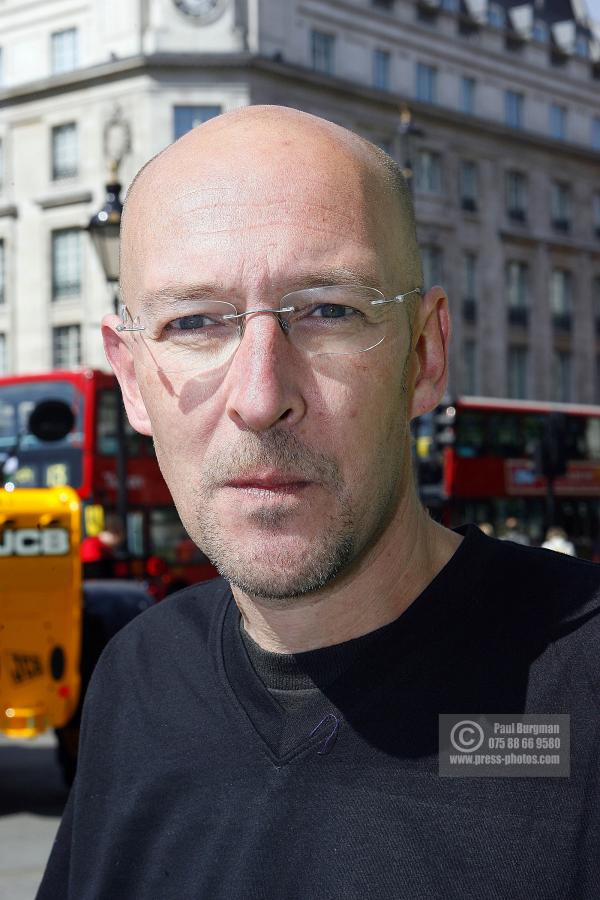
[32, 797]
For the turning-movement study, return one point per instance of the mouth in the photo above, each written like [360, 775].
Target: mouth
[269, 483]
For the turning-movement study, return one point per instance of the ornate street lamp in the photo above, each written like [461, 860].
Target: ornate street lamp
[104, 228]
[407, 131]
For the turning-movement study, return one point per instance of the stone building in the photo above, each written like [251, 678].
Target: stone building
[502, 137]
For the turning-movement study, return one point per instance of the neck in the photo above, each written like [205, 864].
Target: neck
[380, 587]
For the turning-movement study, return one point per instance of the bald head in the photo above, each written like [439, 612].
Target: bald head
[253, 165]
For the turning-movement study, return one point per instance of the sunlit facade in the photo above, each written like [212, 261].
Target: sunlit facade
[504, 147]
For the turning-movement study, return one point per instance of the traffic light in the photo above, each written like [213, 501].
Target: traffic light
[433, 432]
[552, 450]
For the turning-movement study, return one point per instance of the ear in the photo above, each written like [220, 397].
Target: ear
[431, 335]
[121, 361]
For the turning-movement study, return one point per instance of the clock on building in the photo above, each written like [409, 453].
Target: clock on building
[201, 10]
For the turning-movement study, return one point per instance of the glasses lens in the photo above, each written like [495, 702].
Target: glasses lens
[337, 319]
[199, 338]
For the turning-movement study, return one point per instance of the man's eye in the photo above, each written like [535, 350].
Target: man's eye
[334, 311]
[192, 323]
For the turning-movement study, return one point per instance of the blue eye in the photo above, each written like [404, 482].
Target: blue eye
[334, 311]
[192, 323]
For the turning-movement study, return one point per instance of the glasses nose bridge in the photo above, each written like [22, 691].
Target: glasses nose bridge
[278, 313]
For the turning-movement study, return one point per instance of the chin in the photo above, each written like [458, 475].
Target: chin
[281, 573]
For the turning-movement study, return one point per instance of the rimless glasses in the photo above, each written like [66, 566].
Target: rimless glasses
[328, 320]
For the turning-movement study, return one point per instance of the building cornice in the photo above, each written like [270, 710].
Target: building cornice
[385, 102]
[71, 198]
[562, 244]
[116, 70]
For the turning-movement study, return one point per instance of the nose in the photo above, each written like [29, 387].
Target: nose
[264, 380]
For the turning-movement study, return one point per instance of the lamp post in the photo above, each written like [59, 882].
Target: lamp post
[407, 131]
[104, 229]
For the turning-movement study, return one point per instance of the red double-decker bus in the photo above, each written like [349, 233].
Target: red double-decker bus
[158, 546]
[478, 461]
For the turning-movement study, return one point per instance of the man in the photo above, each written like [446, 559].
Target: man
[274, 734]
[557, 540]
[514, 532]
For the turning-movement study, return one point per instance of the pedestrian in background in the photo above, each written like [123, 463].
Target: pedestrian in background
[513, 531]
[556, 539]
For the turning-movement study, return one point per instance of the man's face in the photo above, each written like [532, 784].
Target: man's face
[284, 467]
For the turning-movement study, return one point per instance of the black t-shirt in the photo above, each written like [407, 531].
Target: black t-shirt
[195, 781]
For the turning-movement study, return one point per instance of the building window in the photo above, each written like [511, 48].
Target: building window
[582, 48]
[561, 293]
[431, 260]
[596, 302]
[517, 372]
[470, 367]
[560, 205]
[187, 117]
[383, 4]
[64, 51]
[558, 122]
[596, 212]
[561, 298]
[65, 151]
[426, 83]
[596, 133]
[561, 376]
[469, 286]
[467, 95]
[3, 355]
[517, 291]
[1, 66]
[541, 32]
[496, 15]
[1, 165]
[381, 69]
[429, 172]
[513, 107]
[322, 49]
[2, 273]
[516, 195]
[66, 346]
[467, 184]
[66, 263]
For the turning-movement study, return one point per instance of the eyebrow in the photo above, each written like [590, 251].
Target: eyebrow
[177, 292]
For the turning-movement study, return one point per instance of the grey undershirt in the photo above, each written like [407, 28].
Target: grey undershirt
[293, 679]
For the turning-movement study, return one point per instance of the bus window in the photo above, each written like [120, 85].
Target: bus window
[106, 427]
[575, 437]
[41, 464]
[170, 540]
[506, 434]
[471, 437]
[16, 403]
[135, 533]
[532, 430]
[592, 435]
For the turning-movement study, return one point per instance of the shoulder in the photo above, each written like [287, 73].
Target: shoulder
[545, 575]
[544, 598]
[174, 626]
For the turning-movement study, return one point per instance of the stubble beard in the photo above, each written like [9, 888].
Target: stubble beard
[276, 572]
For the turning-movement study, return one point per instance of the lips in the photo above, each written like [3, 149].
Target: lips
[268, 481]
